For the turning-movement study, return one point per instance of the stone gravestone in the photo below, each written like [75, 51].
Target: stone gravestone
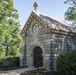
[5, 63]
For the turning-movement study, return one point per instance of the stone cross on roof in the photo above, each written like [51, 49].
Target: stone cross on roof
[35, 5]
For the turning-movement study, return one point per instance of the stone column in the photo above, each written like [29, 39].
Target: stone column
[23, 54]
[51, 56]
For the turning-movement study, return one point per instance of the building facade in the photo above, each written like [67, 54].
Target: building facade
[44, 38]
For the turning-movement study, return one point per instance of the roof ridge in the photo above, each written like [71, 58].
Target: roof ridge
[54, 18]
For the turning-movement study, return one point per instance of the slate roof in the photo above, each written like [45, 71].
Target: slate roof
[56, 23]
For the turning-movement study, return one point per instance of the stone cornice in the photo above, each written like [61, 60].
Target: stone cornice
[61, 32]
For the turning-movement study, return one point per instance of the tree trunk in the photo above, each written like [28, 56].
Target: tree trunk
[6, 51]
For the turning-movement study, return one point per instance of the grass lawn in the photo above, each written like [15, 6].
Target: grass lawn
[11, 68]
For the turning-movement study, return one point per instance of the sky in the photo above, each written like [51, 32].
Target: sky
[54, 8]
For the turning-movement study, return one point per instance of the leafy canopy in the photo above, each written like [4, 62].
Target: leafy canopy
[10, 39]
[70, 14]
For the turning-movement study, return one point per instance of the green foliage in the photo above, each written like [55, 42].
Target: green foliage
[66, 64]
[70, 15]
[10, 39]
[13, 61]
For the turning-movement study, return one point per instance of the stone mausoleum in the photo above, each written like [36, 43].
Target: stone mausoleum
[44, 38]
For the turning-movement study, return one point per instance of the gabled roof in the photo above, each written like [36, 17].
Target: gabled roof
[51, 22]
[56, 23]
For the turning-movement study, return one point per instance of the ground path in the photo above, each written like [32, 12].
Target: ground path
[15, 72]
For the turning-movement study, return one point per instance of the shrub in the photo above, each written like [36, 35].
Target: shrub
[66, 64]
[13, 61]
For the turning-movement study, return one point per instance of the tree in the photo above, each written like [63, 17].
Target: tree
[10, 39]
[70, 14]
[66, 63]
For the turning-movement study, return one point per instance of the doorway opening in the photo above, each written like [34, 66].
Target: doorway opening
[37, 57]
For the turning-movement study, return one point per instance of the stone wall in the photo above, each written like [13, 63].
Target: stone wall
[51, 44]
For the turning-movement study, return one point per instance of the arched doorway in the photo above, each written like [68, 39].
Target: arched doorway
[38, 57]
